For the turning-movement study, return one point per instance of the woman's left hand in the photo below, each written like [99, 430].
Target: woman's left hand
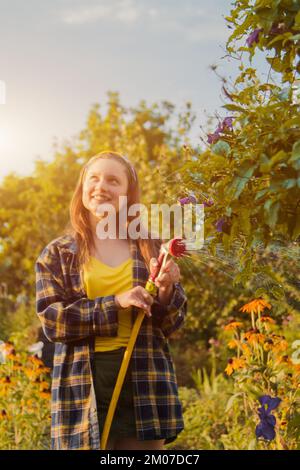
[168, 275]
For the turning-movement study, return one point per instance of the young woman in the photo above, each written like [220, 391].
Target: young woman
[88, 293]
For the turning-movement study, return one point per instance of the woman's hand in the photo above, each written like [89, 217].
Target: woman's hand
[137, 297]
[168, 275]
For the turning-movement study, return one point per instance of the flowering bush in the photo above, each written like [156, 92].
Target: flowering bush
[264, 374]
[24, 401]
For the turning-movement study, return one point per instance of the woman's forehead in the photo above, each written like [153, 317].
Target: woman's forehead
[106, 165]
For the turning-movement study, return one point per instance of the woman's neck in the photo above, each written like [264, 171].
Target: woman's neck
[94, 222]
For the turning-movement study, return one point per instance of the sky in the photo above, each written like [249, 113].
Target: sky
[59, 57]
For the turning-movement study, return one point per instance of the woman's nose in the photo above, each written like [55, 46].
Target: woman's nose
[101, 185]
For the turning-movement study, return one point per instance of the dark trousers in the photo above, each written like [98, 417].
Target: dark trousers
[106, 367]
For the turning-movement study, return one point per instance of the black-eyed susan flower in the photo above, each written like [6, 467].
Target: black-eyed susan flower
[3, 414]
[35, 360]
[234, 363]
[233, 325]
[255, 306]
[233, 344]
[254, 337]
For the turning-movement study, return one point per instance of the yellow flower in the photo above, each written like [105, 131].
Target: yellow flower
[36, 361]
[233, 344]
[45, 395]
[255, 306]
[246, 349]
[268, 344]
[31, 374]
[234, 364]
[253, 337]
[280, 344]
[233, 325]
[44, 386]
[3, 414]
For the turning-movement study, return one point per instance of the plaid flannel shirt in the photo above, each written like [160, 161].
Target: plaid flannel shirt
[71, 321]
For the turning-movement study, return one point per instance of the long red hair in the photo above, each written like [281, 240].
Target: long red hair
[79, 224]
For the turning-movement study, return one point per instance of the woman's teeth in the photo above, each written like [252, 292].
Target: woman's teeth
[100, 199]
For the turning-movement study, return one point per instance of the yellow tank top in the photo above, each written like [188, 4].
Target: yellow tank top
[101, 280]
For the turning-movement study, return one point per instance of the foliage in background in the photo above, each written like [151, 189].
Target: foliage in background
[24, 401]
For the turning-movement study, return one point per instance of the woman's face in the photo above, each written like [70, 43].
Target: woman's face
[105, 180]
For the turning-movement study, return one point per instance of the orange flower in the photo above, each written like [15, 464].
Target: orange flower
[234, 364]
[45, 395]
[253, 337]
[35, 360]
[233, 344]
[246, 349]
[255, 306]
[3, 414]
[31, 374]
[233, 325]
[280, 345]
[44, 386]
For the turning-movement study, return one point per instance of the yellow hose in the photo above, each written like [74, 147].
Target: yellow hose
[152, 289]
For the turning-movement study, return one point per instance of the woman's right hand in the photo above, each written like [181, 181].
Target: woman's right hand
[137, 297]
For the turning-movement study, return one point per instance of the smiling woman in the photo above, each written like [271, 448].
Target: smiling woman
[89, 292]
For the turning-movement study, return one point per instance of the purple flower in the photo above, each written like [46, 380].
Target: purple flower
[187, 200]
[253, 37]
[266, 427]
[225, 124]
[219, 224]
[212, 138]
[271, 403]
[208, 203]
[223, 224]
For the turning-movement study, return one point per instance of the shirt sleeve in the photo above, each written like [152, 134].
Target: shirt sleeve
[63, 320]
[170, 317]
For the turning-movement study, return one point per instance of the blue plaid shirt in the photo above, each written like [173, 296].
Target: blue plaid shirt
[71, 321]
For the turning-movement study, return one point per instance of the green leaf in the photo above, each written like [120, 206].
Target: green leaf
[252, 444]
[284, 94]
[296, 151]
[278, 157]
[295, 157]
[240, 181]
[289, 183]
[231, 401]
[278, 292]
[272, 215]
[296, 229]
[260, 292]
[234, 107]
[261, 193]
[221, 148]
